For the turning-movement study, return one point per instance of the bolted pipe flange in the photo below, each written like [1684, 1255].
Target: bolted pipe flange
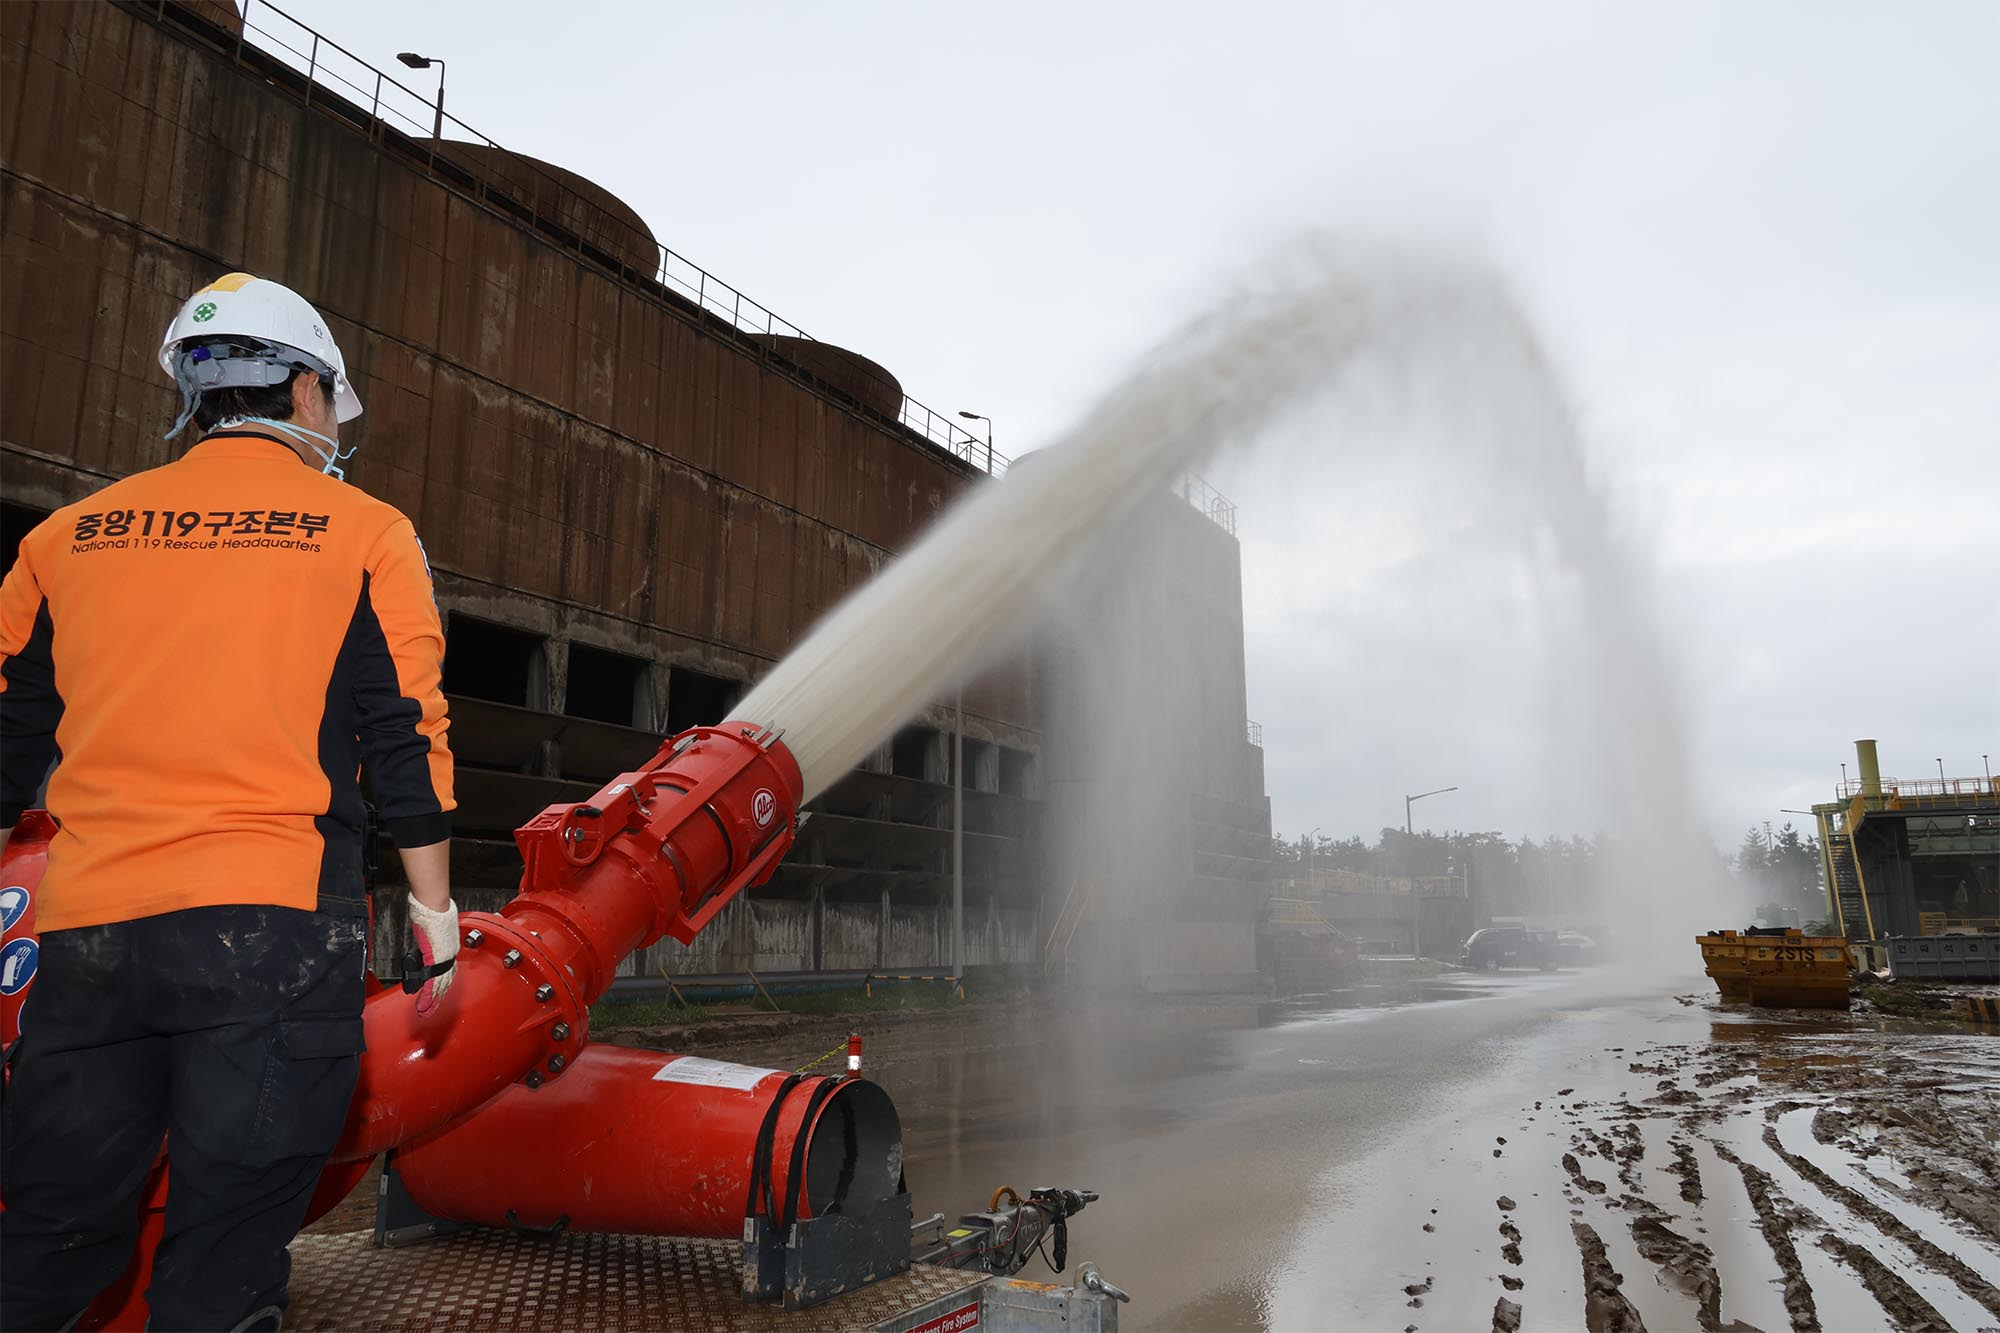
[474, 938]
[512, 958]
[560, 1032]
[556, 1063]
[545, 992]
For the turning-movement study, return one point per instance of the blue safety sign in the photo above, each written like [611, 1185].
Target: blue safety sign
[13, 902]
[18, 962]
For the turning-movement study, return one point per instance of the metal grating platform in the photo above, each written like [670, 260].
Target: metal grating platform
[492, 1279]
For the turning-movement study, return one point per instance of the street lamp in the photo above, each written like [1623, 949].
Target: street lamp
[1416, 903]
[1312, 852]
[415, 61]
[974, 416]
[1940, 764]
[1408, 801]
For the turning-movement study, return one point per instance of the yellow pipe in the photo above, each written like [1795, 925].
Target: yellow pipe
[1871, 768]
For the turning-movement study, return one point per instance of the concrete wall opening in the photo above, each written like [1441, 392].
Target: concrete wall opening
[982, 765]
[484, 660]
[696, 699]
[910, 753]
[608, 687]
[1017, 772]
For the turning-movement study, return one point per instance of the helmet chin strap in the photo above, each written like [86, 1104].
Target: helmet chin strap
[331, 455]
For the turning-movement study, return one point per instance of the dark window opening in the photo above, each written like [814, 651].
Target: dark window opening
[910, 752]
[695, 699]
[982, 770]
[607, 687]
[16, 522]
[483, 660]
[1017, 772]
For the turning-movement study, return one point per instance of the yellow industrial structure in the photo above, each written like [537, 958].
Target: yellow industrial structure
[1902, 858]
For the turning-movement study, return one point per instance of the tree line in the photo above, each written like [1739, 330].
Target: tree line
[1782, 870]
[1524, 877]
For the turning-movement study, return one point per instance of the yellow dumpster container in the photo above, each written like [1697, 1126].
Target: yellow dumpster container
[1779, 969]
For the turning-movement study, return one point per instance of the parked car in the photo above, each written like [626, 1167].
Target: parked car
[1573, 946]
[1510, 946]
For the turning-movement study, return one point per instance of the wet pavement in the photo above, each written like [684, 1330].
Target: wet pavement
[1586, 1147]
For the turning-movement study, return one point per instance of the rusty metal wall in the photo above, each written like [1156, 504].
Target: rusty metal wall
[575, 450]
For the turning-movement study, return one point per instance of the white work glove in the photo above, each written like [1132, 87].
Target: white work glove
[437, 940]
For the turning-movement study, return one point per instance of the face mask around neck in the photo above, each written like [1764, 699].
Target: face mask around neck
[331, 455]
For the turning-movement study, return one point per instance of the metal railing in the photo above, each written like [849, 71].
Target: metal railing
[1220, 509]
[401, 119]
[1255, 734]
[1925, 788]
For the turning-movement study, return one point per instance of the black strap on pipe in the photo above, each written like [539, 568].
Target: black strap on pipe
[415, 974]
[795, 1186]
[760, 1156]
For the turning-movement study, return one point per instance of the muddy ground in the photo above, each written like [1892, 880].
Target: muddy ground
[1579, 1151]
[1716, 1169]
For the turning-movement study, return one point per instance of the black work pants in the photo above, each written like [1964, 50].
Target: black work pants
[232, 1032]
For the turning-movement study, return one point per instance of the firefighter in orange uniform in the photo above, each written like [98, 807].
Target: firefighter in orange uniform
[209, 653]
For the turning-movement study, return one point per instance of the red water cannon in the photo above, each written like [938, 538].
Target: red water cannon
[711, 816]
[657, 851]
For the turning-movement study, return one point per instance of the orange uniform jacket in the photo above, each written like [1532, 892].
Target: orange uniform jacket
[212, 649]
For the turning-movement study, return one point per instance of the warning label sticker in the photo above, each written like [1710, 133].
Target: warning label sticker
[711, 1073]
[18, 962]
[957, 1321]
[13, 905]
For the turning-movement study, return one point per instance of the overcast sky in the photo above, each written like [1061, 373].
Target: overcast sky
[1760, 241]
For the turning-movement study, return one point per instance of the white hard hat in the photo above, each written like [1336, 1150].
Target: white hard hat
[259, 311]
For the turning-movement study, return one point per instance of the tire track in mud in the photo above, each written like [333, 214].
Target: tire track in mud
[1908, 1311]
[1886, 1222]
[1926, 1134]
[1688, 1265]
[1605, 1308]
[1776, 1227]
[1928, 1183]
[1779, 1215]
[1688, 1170]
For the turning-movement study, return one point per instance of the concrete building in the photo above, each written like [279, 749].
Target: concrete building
[1160, 831]
[637, 486]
